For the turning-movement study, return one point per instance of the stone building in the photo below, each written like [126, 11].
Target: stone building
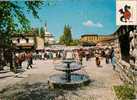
[39, 43]
[24, 41]
[127, 64]
[93, 38]
[33, 39]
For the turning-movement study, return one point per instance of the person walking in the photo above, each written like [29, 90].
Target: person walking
[87, 55]
[113, 58]
[107, 55]
[29, 59]
[98, 60]
[81, 59]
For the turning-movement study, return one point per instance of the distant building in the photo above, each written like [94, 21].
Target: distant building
[33, 40]
[93, 38]
[49, 38]
[40, 43]
[23, 41]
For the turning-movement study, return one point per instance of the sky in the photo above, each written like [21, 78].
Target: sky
[83, 16]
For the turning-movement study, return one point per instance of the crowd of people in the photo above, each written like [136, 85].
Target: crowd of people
[29, 56]
[108, 54]
[24, 56]
[76, 54]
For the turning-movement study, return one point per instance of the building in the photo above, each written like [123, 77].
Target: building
[33, 40]
[49, 38]
[93, 38]
[125, 34]
[39, 43]
[126, 60]
[24, 41]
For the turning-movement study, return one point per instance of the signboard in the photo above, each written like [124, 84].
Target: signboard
[126, 12]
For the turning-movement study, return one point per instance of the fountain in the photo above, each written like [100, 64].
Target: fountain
[68, 80]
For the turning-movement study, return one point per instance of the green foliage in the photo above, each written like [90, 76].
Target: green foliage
[42, 32]
[74, 42]
[62, 39]
[39, 32]
[66, 38]
[13, 18]
[125, 92]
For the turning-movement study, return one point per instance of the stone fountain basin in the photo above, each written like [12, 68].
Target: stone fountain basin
[63, 67]
[68, 61]
[60, 81]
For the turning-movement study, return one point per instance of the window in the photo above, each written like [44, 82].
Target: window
[27, 40]
[18, 40]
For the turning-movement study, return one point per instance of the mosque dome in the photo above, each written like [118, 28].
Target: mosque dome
[48, 36]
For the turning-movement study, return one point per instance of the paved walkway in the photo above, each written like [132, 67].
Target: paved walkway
[103, 78]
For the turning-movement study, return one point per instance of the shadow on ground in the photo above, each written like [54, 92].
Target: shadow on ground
[2, 77]
[36, 91]
[3, 71]
[40, 91]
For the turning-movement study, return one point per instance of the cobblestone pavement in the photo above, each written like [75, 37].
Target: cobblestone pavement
[100, 88]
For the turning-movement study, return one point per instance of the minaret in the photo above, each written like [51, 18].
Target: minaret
[45, 28]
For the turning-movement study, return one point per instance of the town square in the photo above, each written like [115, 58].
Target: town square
[68, 50]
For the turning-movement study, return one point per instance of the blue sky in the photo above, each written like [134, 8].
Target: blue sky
[84, 16]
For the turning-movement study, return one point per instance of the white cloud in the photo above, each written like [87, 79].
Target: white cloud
[90, 23]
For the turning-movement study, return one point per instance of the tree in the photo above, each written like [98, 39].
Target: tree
[13, 18]
[66, 38]
[75, 42]
[42, 34]
[61, 40]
